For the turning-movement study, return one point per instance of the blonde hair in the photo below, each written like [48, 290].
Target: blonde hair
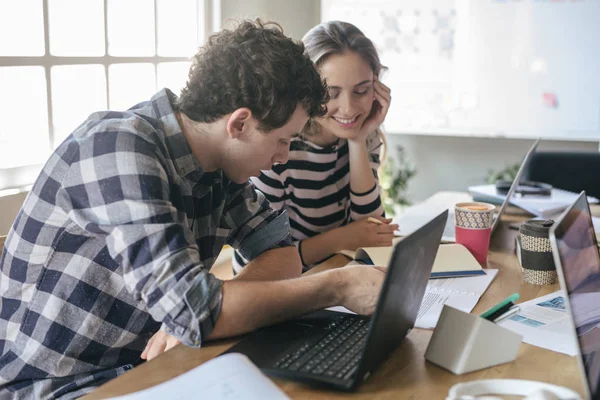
[337, 37]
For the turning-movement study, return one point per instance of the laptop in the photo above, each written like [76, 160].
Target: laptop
[411, 220]
[340, 350]
[577, 261]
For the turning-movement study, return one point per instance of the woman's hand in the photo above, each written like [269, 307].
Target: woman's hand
[382, 99]
[363, 233]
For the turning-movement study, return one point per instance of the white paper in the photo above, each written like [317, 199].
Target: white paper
[230, 376]
[596, 223]
[544, 322]
[460, 293]
[417, 216]
[540, 206]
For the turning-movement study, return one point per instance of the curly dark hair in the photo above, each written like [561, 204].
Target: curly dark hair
[255, 66]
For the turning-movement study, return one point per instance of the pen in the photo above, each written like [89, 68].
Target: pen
[512, 311]
[374, 220]
[512, 298]
[499, 312]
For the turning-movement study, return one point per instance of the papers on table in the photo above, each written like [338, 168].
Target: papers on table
[540, 206]
[544, 322]
[230, 376]
[460, 293]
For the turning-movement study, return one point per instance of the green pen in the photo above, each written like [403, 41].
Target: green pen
[512, 298]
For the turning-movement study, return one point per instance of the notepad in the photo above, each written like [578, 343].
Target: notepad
[452, 260]
[230, 376]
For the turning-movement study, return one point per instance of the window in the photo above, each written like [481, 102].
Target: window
[61, 60]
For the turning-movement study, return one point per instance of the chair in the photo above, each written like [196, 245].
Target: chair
[567, 170]
[2, 240]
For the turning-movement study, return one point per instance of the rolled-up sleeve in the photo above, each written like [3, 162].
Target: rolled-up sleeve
[255, 226]
[118, 188]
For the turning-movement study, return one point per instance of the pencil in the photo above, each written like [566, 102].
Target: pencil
[374, 220]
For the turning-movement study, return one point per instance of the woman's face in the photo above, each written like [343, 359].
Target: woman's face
[350, 81]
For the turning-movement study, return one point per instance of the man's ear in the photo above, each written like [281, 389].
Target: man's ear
[239, 121]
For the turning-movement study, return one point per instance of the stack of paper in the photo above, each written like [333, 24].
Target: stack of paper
[540, 206]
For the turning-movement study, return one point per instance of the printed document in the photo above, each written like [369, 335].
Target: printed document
[544, 322]
[460, 293]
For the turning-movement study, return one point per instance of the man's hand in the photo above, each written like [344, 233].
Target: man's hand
[362, 285]
[158, 344]
[363, 233]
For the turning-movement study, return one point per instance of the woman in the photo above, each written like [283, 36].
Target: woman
[329, 186]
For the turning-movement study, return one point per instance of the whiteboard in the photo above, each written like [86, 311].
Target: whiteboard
[510, 68]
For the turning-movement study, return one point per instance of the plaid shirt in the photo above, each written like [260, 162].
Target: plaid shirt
[119, 231]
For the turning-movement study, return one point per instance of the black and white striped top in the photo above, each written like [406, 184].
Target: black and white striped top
[314, 188]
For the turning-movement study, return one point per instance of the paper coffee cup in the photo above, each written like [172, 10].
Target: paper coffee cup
[473, 221]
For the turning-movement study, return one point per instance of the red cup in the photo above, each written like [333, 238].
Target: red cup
[473, 222]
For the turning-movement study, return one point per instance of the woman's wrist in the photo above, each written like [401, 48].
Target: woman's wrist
[339, 239]
[358, 142]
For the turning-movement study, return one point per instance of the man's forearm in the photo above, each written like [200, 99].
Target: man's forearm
[272, 265]
[247, 306]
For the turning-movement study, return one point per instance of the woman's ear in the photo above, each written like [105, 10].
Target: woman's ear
[238, 122]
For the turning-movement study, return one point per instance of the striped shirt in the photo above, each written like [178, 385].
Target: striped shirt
[116, 237]
[314, 188]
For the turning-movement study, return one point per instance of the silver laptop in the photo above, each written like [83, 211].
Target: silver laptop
[577, 260]
[419, 215]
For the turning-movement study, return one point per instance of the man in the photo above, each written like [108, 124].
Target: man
[116, 239]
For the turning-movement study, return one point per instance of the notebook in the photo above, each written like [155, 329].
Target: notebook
[452, 260]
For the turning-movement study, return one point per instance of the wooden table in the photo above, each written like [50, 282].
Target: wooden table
[406, 374]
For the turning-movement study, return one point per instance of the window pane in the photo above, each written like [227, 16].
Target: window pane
[131, 27]
[76, 27]
[21, 28]
[173, 75]
[77, 91]
[130, 84]
[177, 28]
[23, 135]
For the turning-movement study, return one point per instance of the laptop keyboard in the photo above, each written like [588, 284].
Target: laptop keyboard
[335, 355]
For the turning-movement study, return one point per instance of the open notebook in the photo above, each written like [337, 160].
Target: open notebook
[452, 260]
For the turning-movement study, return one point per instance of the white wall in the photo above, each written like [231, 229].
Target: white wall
[296, 17]
[9, 207]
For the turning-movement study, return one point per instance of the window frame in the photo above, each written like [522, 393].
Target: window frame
[208, 17]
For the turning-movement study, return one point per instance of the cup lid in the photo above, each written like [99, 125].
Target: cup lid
[536, 227]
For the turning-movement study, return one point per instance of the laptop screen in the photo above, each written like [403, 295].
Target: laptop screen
[515, 184]
[578, 253]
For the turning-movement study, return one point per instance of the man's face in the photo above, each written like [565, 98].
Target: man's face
[256, 151]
